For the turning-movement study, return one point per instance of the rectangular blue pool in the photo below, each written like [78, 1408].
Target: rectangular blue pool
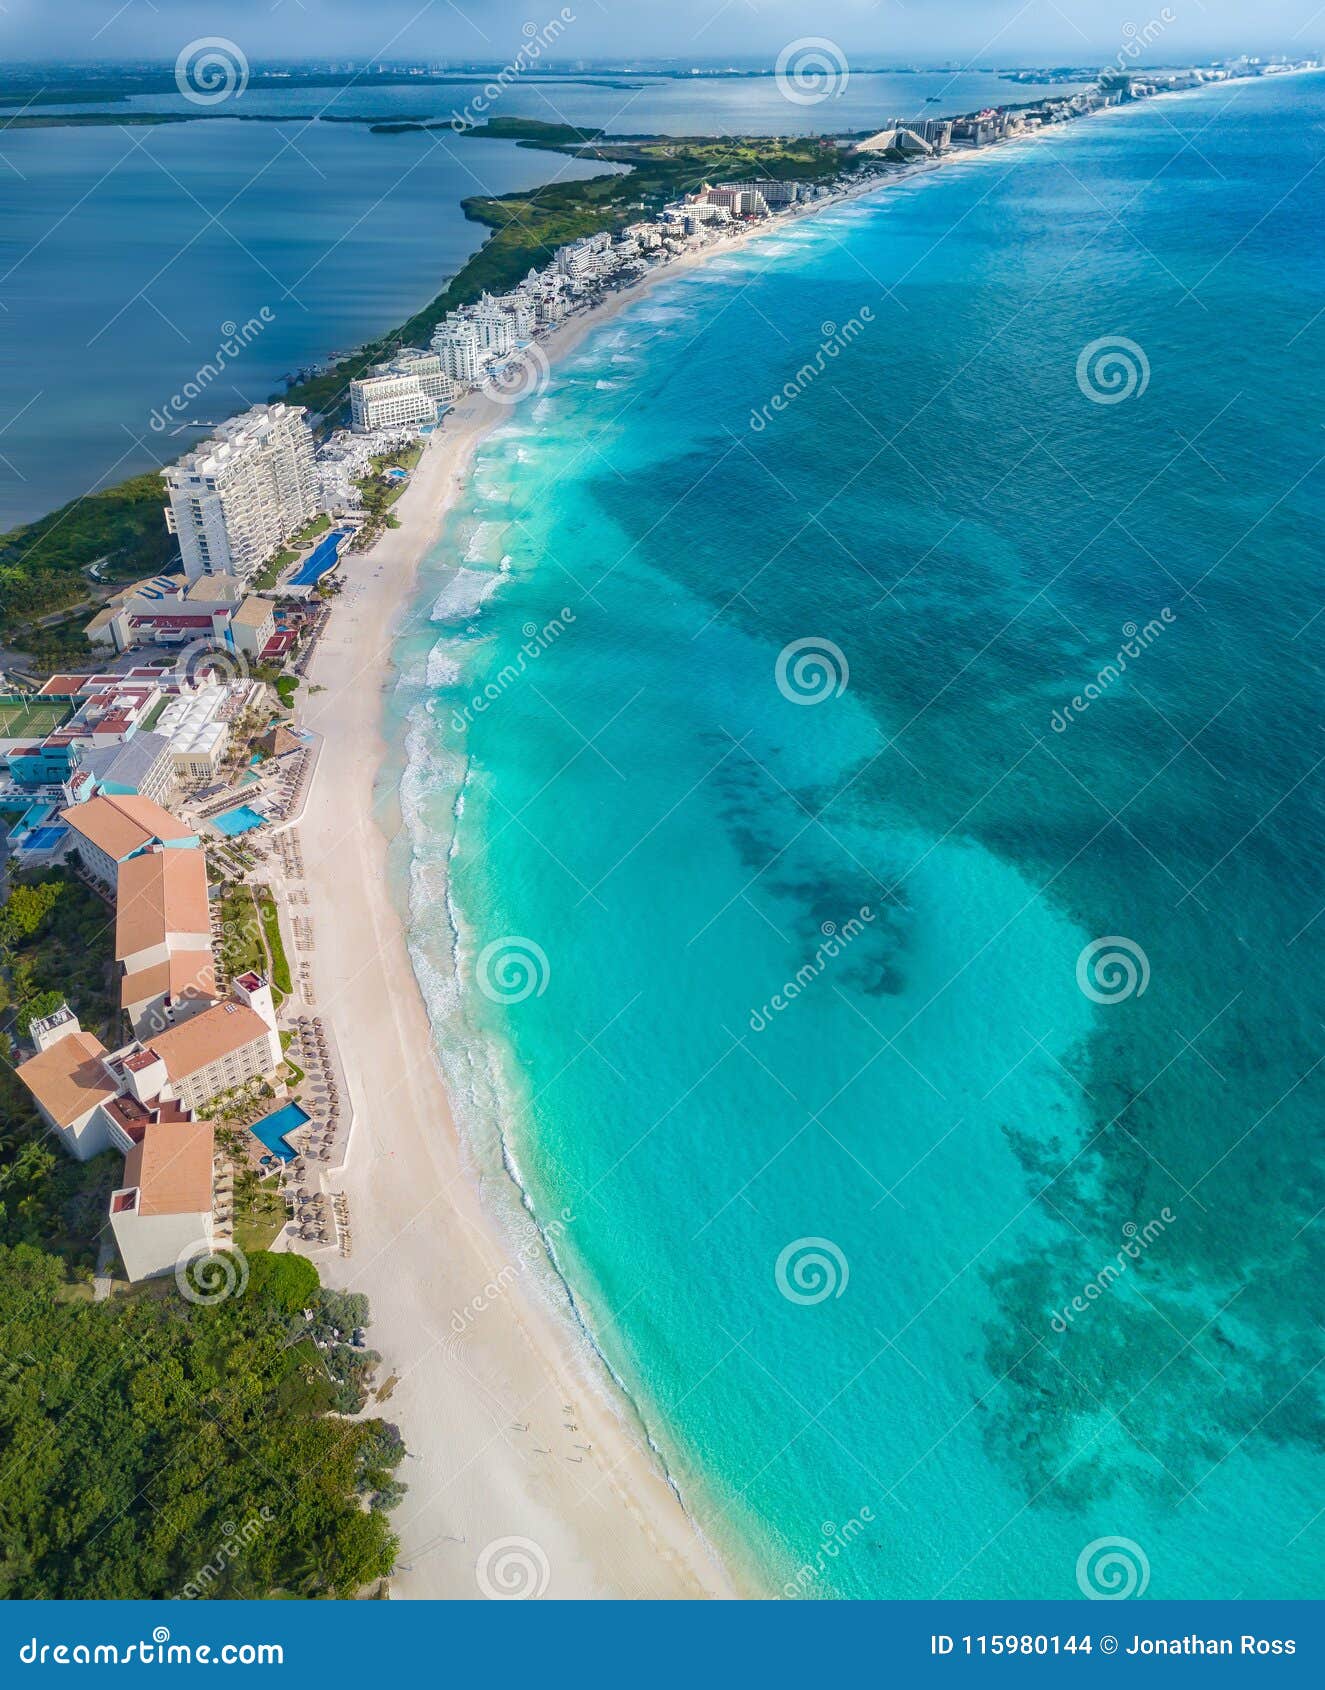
[243, 819]
[271, 1130]
[44, 838]
[322, 558]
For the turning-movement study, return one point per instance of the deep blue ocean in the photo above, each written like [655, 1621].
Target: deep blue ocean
[872, 912]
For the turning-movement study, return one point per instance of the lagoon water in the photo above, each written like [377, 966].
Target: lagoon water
[128, 256]
[771, 1008]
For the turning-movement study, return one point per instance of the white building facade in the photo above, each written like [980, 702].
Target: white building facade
[237, 498]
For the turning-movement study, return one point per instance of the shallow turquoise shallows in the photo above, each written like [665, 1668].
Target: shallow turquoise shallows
[931, 1240]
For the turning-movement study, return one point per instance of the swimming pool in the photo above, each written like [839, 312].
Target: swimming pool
[43, 838]
[322, 558]
[242, 819]
[271, 1129]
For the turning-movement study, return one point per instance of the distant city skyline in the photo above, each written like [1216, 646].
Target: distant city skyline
[873, 32]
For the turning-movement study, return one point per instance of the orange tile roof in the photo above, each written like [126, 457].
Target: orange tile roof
[206, 1037]
[184, 976]
[123, 823]
[158, 893]
[172, 1168]
[68, 1080]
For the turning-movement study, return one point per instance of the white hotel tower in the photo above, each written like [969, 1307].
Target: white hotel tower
[240, 495]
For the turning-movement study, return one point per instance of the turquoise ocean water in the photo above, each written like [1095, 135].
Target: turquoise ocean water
[783, 1013]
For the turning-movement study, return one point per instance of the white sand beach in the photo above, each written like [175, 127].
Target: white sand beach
[512, 1432]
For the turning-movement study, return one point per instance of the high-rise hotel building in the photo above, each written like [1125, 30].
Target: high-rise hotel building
[239, 496]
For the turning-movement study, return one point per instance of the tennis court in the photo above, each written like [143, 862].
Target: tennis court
[30, 718]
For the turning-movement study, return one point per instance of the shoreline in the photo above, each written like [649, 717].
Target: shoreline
[495, 1415]
[612, 1523]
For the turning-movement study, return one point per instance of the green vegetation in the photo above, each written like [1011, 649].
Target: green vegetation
[266, 578]
[42, 564]
[529, 227]
[260, 1213]
[295, 1074]
[57, 941]
[286, 687]
[271, 927]
[20, 716]
[158, 1448]
[241, 934]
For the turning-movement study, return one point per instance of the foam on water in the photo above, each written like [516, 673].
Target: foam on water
[703, 1085]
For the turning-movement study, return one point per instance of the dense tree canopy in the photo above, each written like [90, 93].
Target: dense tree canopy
[153, 1447]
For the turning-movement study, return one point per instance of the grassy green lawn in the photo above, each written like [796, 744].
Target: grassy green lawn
[23, 716]
[271, 927]
[259, 1219]
[241, 934]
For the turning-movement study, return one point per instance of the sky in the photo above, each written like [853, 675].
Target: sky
[867, 31]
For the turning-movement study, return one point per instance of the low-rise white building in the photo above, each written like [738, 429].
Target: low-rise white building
[162, 1213]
